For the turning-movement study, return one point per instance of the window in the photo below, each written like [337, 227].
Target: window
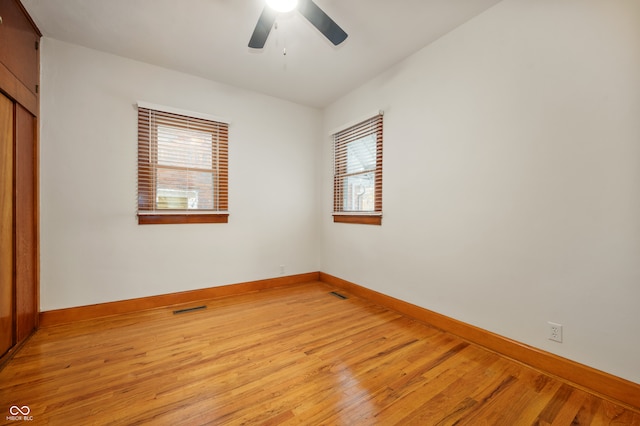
[357, 181]
[182, 168]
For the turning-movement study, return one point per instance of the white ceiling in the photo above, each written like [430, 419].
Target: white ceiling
[208, 38]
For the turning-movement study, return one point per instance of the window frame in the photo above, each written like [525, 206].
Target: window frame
[148, 212]
[362, 129]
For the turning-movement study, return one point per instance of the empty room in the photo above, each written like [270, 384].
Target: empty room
[320, 212]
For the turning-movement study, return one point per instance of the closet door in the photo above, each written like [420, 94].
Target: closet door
[25, 223]
[6, 224]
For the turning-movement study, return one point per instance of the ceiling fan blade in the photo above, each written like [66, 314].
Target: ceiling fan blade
[322, 22]
[263, 28]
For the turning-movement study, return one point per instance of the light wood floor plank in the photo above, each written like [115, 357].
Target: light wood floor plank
[292, 355]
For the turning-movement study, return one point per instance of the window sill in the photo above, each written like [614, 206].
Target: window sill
[363, 219]
[178, 218]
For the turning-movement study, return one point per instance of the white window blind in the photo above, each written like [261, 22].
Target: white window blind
[358, 168]
[182, 164]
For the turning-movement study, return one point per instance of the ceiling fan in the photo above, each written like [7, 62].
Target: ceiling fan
[308, 9]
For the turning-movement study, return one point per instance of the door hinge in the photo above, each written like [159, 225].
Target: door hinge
[37, 88]
[37, 44]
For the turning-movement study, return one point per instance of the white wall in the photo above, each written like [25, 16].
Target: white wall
[511, 179]
[511, 185]
[92, 249]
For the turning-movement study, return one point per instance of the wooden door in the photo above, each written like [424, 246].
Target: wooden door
[26, 226]
[18, 49]
[6, 224]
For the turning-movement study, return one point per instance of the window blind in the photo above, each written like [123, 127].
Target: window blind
[182, 164]
[358, 168]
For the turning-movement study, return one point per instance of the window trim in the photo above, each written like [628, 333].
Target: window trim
[155, 216]
[372, 217]
[363, 219]
[174, 218]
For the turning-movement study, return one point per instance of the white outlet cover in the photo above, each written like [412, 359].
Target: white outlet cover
[555, 332]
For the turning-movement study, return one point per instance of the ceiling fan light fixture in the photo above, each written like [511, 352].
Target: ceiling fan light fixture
[282, 6]
[307, 8]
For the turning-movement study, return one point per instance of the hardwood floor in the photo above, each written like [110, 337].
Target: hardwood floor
[292, 355]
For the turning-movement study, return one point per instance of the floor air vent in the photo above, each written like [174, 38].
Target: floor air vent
[184, 311]
[336, 294]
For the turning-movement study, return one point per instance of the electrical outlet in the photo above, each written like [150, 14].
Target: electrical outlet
[555, 332]
[281, 269]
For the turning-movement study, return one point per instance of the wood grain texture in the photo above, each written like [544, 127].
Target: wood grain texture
[602, 383]
[17, 90]
[19, 58]
[172, 219]
[62, 316]
[18, 48]
[358, 219]
[6, 224]
[26, 241]
[290, 355]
